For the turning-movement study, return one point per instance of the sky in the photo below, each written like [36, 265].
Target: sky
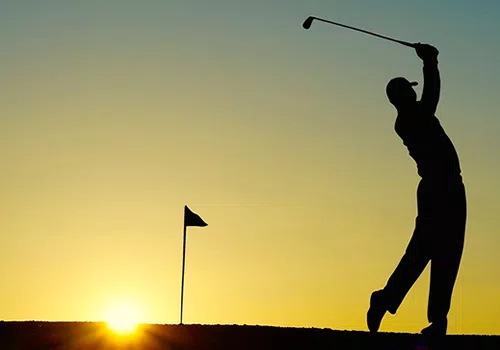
[116, 114]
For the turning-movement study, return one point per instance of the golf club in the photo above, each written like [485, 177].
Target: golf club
[309, 20]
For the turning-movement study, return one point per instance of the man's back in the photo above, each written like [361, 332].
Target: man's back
[428, 144]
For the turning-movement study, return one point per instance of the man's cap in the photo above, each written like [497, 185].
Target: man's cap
[398, 82]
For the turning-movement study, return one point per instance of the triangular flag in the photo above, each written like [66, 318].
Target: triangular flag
[192, 219]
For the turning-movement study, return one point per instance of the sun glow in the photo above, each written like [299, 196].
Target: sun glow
[123, 318]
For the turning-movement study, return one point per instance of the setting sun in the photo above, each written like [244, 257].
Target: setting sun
[123, 318]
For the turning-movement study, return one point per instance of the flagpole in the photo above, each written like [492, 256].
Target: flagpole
[190, 219]
[183, 263]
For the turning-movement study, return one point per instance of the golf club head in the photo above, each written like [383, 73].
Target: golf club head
[307, 23]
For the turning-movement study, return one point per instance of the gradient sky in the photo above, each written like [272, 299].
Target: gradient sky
[116, 114]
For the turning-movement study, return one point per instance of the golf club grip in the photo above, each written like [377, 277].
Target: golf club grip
[405, 43]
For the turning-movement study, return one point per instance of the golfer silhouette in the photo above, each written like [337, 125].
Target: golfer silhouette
[439, 232]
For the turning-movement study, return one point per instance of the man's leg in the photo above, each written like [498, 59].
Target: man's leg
[444, 271]
[410, 267]
[445, 262]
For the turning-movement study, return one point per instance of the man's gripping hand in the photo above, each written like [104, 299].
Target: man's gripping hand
[426, 52]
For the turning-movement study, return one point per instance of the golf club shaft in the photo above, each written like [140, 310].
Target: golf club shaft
[367, 32]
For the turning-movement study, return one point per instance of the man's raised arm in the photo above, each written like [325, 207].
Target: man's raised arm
[432, 80]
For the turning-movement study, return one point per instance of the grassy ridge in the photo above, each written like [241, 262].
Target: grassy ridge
[93, 335]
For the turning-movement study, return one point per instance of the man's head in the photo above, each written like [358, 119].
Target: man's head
[400, 92]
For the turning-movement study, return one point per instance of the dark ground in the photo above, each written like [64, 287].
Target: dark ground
[87, 335]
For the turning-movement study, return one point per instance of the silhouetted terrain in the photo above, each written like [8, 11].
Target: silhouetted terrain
[87, 335]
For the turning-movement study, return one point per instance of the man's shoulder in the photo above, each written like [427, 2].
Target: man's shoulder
[423, 112]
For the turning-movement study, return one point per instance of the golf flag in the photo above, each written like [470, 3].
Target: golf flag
[192, 219]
